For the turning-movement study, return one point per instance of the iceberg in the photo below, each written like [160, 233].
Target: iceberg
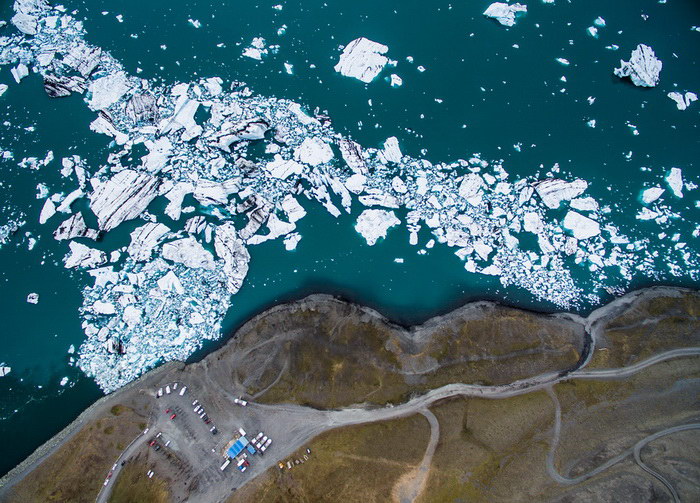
[553, 190]
[504, 13]
[75, 227]
[232, 250]
[190, 252]
[123, 197]
[683, 101]
[84, 257]
[392, 152]
[652, 194]
[107, 90]
[313, 151]
[33, 298]
[374, 224]
[362, 59]
[643, 68]
[580, 226]
[674, 179]
[144, 239]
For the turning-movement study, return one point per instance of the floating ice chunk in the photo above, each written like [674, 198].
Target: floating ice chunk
[580, 226]
[492, 270]
[171, 283]
[591, 123]
[652, 194]
[391, 151]
[291, 241]
[563, 61]
[553, 190]
[584, 204]
[176, 195]
[4, 370]
[470, 186]
[103, 276]
[144, 239]
[84, 257]
[362, 59]
[674, 179]
[3, 89]
[104, 126]
[123, 197]
[352, 155]
[74, 227]
[182, 118]
[195, 22]
[209, 192]
[33, 298]
[107, 90]
[292, 208]
[190, 252]
[47, 211]
[65, 205]
[504, 13]
[63, 382]
[356, 183]
[284, 168]
[396, 81]
[592, 31]
[277, 229]
[313, 151]
[646, 214]
[599, 22]
[643, 68]
[256, 50]
[25, 22]
[682, 101]
[399, 185]
[232, 250]
[374, 224]
[19, 72]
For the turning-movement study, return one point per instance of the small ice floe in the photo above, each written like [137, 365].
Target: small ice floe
[256, 50]
[107, 90]
[398, 260]
[592, 31]
[563, 61]
[580, 226]
[289, 68]
[392, 151]
[84, 257]
[362, 59]
[683, 101]
[19, 72]
[374, 224]
[652, 194]
[591, 123]
[3, 88]
[33, 298]
[4, 370]
[291, 241]
[396, 81]
[313, 151]
[553, 190]
[194, 22]
[674, 179]
[599, 22]
[504, 13]
[64, 381]
[47, 211]
[643, 68]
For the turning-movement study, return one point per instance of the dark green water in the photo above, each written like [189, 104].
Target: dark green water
[462, 52]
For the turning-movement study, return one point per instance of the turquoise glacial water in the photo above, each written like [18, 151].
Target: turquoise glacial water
[491, 95]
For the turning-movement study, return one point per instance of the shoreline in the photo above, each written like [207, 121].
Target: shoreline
[591, 323]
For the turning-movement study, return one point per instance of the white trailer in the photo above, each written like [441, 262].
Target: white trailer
[167, 389]
[241, 431]
[226, 463]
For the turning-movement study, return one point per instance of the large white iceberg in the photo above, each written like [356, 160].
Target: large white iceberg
[643, 68]
[504, 13]
[374, 224]
[362, 59]
[581, 227]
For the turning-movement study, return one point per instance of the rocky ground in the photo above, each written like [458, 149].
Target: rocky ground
[484, 404]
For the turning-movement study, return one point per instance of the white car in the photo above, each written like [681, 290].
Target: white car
[182, 391]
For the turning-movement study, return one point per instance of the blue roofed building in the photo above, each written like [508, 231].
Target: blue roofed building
[237, 447]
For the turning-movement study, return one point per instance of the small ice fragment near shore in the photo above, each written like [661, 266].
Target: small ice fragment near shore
[674, 179]
[362, 59]
[33, 298]
[682, 101]
[563, 61]
[374, 224]
[652, 194]
[643, 68]
[580, 226]
[4, 370]
[504, 13]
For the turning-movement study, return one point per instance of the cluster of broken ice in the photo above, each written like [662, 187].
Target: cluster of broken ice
[643, 68]
[164, 292]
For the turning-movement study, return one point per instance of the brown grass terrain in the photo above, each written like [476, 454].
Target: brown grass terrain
[75, 473]
[133, 486]
[355, 464]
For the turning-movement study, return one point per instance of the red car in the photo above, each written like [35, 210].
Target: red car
[153, 442]
[173, 416]
[167, 411]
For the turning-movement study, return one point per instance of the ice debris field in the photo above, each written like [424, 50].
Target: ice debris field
[159, 297]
